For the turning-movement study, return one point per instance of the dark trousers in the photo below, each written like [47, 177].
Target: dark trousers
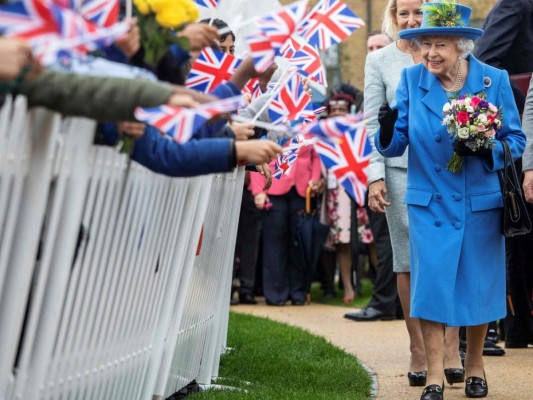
[283, 271]
[247, 245]
[519, 328]
[385, 290]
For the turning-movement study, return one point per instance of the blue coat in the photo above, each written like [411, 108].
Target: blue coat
[456, 244]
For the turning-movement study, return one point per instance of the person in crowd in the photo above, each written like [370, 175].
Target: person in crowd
[507, 44]
[339, 206]
[455, 280]
[377, 40]
[527, 159]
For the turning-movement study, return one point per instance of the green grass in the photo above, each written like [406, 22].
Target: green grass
[360, 302]
[283, 362]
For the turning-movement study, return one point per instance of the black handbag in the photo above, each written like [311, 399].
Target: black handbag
[515, 217]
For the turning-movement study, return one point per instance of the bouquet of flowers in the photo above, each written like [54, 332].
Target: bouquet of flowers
[159, 20]
[473, 120]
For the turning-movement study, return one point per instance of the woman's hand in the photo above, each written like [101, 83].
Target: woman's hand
[257, 151]
[134, 130]
[264, 170]
[377, 191]
[386, 118]
[460, 148]
[15, 54]
[260, 200]
[242, 131]
[528, 186]
[317, 186]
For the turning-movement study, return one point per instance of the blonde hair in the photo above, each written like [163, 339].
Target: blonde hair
[390, 25]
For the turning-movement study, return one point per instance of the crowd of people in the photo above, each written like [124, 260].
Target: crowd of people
[433, 237]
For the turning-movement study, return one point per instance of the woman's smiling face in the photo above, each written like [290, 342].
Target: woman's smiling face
[408, 14]
[439, 54]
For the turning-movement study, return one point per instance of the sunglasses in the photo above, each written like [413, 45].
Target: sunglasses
[338, 103]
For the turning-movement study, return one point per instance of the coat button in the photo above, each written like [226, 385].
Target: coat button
[438, 223]
[438, 196]
[458, 225]
[437, 167]
[438, 138]
[457, 197]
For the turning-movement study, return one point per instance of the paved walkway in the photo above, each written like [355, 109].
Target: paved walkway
[383, 346]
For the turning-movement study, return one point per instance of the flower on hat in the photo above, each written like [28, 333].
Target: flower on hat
[443, 14]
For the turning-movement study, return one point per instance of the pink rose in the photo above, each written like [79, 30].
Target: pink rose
[463, 118]
[490, 134]
[475, 101]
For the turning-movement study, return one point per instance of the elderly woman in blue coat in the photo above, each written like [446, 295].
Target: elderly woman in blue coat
[457, 248]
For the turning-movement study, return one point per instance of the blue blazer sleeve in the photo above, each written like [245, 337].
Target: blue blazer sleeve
[196, 157]
[511, 130]
[222, 91]
[400, 137]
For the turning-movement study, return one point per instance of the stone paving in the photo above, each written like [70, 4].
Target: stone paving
[383, 346]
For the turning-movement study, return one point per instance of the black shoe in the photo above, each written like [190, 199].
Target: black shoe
[491, 349]
[233, 301]
[476, 387]
[298, 302]
[417, 378]
[492, 336]
[517, 344]
[247, 299]
[433, 392]
[454, 375]
[368, 314]
[275, 303]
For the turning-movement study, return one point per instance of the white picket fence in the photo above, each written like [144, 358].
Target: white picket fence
[102, 293]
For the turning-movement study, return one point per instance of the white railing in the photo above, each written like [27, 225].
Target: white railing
[102, 293]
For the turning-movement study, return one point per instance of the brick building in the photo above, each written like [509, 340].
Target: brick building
[346, 62]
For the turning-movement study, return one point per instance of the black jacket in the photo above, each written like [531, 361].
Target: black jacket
[508, 39]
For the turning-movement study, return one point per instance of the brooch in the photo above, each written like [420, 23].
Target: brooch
[487, 81]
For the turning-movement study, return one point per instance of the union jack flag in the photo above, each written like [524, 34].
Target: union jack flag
[289, 102]
[181, 123]
[211, 69]
[348, 160]
[252, 90]
[288, 157]
[261, 51]
[281, 24]
[311, 115]
[308, 62]
[51, 29]
[330, 23]
[101, 12]
[207, 3]
[291, 46]
[332, 129]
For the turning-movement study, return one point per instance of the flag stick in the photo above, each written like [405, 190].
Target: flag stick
[129, 9]
[260, 124]
[281, 83]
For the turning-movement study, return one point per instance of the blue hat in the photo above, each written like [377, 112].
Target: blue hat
[444, 19]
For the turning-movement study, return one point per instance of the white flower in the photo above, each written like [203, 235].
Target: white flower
[447, 107]
[469, 109]
[463, 133]
[467, 101]
[482, 118]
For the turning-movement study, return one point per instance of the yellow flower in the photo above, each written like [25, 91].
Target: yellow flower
[171, 18]
[191, 9]
[142, 6]
[159, 6]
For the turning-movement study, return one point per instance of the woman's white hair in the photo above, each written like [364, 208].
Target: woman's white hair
[464, 45]
[390, 25]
